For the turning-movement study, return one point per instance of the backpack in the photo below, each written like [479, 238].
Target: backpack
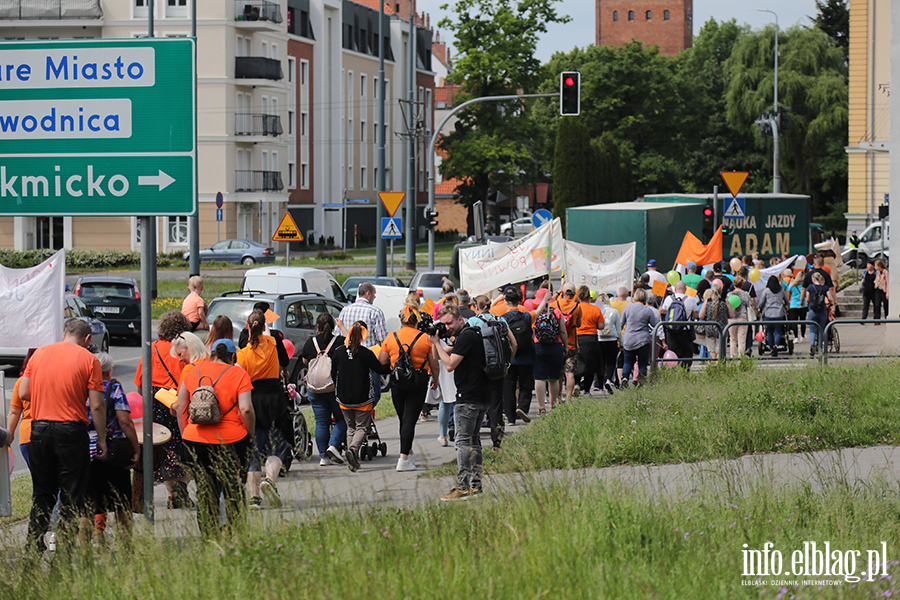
[318, 374]
[204, 408]
[677, 312]
[817, 302]
[546, 327]
[404, 375]
[497, 349]
[520, 326]
[568, 316]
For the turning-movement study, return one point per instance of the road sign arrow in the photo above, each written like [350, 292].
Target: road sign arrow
[162, 180]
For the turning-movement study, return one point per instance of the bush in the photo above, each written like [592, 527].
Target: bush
[334, 255]
[85, 259]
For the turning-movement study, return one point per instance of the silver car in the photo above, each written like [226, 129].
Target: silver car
[428, 284]
[522, 226]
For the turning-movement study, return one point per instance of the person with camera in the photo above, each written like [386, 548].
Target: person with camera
[473, 397]
[408, 389]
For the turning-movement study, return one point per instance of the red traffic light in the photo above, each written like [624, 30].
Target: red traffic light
[707, 212]
[569, 81]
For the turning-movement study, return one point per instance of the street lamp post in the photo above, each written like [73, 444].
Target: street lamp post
[776, 174]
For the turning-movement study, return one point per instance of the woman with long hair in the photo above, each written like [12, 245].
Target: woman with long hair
[797, 305]
[221, 329]
[351, 365]
[738, 333]
[610, 339]
[882, 289]
[409, 398]
[260, 359]
[324, 404]
[771, 306]
[219, 452]
[189, 349]
[715, 310]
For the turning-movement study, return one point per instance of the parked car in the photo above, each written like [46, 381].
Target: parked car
[522, 226]
[428, 284]
[116, 301]
[352, 284]
[245, 252]
[297, 312]
[292, 280]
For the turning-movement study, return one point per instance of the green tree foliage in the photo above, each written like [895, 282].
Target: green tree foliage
[813, 83]
[833, 17]
[495, 42]
[614, 180]
[574, 167]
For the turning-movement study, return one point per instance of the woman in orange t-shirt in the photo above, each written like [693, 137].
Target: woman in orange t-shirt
[19, 408]
[219, 452]
[408, 401]
[592, 323]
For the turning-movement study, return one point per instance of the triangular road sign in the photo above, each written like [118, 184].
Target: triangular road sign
[734, 180]
[287, 230]
[391, 200]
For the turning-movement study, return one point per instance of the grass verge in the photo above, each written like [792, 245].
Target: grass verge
[564, 540]
[729, 410]
[21, 499]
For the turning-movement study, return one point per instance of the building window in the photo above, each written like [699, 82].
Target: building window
[304, 72]
[362, 132]
[363, 88]
[290, 122]
[177, 230]
[631, 15]
[665, 15]
[363, 182]
[350, 177]
[375, 94]
[292, 175]
[292, 65]
[140, 9]
[615, 15]
[176, 9]
[304, 121]
[304, 176]
[649, 15]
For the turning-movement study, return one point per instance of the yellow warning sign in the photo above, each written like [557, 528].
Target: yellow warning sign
[287, 230]
[391, 200]
[734, 180]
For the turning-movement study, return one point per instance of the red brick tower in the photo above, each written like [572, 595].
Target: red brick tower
[666, 23]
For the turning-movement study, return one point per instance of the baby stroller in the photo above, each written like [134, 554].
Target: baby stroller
[786, 344]
[303, 440]
[372, 444]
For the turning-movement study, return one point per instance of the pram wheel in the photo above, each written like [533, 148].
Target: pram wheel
[383, 449]
[373, 451]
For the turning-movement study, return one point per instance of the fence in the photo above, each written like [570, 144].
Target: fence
[831, 329]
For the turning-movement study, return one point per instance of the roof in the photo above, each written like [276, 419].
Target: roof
[374, 4]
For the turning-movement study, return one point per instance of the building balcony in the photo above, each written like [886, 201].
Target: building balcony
[257, 13]
[256, 67]
[258, 181]
[44, 10]
[246, 124]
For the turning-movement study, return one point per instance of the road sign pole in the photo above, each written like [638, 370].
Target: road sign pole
[147, 255]
[392, 258]
[287, 255]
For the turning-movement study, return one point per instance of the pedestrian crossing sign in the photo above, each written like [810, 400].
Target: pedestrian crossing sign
[391, 228]
[735, 209]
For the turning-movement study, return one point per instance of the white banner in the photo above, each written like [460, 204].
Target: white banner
[390, 300]
[486, 268]
[777, 270]
[31, 303]
[601, 268]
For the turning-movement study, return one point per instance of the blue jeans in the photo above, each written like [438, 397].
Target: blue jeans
[445, 414]
[25, 449]
[822, 319]
[325, 406]
[773, 327]
[469, 418]
[643, 359]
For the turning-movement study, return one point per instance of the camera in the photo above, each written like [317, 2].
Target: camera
[429, 326]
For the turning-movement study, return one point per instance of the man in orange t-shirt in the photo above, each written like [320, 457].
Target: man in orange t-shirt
[592, 323]
[571, 309]
[57, 380]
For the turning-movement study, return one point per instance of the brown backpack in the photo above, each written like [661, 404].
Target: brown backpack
[204, 408]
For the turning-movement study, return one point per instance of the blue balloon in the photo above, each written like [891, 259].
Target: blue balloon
[704, 272]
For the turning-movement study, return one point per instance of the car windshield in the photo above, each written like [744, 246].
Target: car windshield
[89, 291]
[236, 309]
[431, 280]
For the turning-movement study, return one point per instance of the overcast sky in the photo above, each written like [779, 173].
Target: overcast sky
[580, 31]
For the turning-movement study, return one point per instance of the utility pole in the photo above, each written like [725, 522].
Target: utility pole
[411, 150]
[380, 249]
[194, 221]
[776, 173]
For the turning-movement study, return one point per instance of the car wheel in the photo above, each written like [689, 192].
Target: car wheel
[104, 345]
[247, 260]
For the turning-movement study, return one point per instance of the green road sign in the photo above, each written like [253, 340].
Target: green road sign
[98, 127]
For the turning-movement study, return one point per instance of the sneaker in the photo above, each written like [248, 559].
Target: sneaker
[325, 462]
[51, 541]
[609, 387]
[523, 415]
[256, 502]
[267, 487]
[352, 461]
[405, 465]
[476, 490]
[335, 455]
[443, 441]
[455, 494]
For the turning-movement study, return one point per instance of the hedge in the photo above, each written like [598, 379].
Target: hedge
[84, 259]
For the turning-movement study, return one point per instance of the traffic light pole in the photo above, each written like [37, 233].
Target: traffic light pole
[430, 150]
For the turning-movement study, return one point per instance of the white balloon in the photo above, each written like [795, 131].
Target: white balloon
[801, 263]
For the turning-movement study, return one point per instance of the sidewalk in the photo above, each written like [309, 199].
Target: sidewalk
[309, 489]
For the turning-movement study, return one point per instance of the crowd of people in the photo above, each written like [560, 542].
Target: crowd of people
[231, 427]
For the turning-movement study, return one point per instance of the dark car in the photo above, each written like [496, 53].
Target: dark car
[244, 252]
[297, 320]
[116, 301]
[352, 284]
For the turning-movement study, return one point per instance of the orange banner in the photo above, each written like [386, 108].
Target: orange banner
[694, 250]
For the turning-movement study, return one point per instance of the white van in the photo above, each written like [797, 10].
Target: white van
[292, 280]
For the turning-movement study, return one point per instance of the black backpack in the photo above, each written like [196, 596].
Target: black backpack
[497, 350]
[404, 375]
[677, 312]
[520, 326]
[817, 301]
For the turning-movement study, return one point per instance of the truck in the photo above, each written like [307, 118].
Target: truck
[874, 243]
[770, 224]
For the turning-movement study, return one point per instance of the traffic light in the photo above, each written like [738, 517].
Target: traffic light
[431, 216]
[727, 229]
[570, 93]
[708, 224]
[783, 118]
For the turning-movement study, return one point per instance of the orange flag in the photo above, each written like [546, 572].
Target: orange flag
[659, 288]
[692, 249]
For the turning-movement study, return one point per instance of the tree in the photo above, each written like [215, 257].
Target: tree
[574, 164]
[833, 17]
[614, 181]
[495, 42]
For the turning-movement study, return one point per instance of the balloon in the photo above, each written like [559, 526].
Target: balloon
[800, 263]
[12, 460]
[136, 404]
[704, 272]
[718, 282]
[635, 372]
[735, 264]
[754, 275]
[289, 346]
[734, 301]
[673, 277]
[670, 359]
[759, 336]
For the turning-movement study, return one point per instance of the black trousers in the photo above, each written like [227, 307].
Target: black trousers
[521, 377]
[589, 348]
[609, 352]
[682, 344]
[495, 411]
[61, 462]
[408, 404]
[219, 469]
[867, 300]
[798, 314]
[881, 302]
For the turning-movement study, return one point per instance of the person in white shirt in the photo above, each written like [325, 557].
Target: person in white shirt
[680, 341]
[654, 274]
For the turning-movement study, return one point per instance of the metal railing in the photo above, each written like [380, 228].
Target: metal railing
[258, 181]
[39, 10]
[257, 10]
[784, 324]
[257, 67]
[831, 329]
[654, 355]
[257, 124]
